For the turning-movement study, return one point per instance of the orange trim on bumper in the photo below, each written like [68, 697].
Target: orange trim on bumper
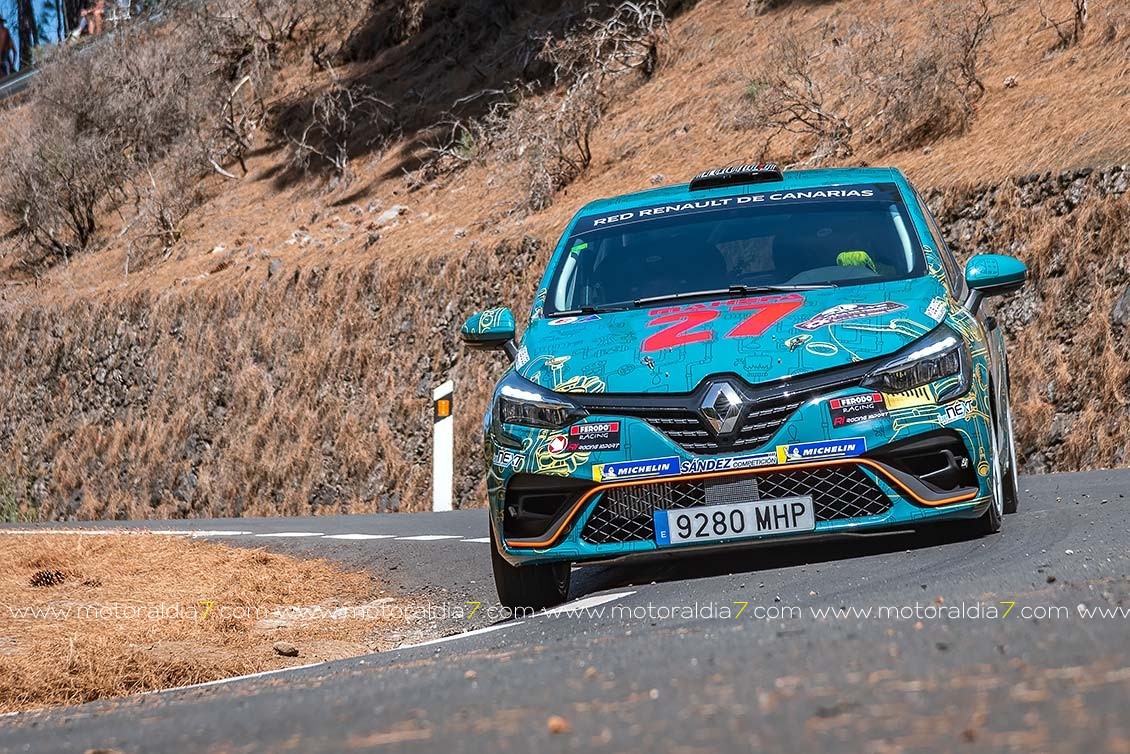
[873, 465]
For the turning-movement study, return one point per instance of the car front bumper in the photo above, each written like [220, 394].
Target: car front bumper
[547, 507]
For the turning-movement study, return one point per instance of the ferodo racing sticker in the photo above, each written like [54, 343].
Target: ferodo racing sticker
[854, 409]
[587, 438]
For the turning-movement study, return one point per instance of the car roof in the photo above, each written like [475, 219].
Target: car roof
[793, 179]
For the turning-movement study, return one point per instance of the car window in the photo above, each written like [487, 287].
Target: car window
[949, 262]
[842, 236]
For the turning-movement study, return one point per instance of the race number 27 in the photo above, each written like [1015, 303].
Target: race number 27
[685, 326]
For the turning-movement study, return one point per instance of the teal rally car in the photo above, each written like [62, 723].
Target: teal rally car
[755, 357]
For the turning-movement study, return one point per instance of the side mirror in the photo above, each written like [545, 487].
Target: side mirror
[992, 275]
[493, 328]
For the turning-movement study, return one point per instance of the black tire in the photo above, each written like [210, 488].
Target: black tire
[1009, 483]
[530, 587]
[990, 520]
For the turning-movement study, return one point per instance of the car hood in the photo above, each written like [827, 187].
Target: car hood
[672, 347]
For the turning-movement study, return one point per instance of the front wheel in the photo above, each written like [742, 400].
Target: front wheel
[1010, 483]
[531, 587]
[990, 520]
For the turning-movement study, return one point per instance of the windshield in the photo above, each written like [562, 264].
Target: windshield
[795, 239]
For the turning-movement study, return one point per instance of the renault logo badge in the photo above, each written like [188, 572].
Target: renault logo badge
[721, 407]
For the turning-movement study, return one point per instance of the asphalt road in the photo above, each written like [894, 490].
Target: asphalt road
[646, 670]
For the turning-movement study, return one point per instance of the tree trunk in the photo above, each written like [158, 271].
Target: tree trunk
[71, 14]
[29, 33]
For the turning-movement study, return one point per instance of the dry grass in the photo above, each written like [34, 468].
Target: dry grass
[198, 386]
[1070, 365]
[101, 638]
[305, 394]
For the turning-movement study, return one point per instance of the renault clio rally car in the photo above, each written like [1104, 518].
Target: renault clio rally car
[752, 357]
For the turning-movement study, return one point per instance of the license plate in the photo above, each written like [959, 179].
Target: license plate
[736, 520]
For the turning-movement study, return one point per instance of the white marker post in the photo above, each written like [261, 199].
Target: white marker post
[443, 446]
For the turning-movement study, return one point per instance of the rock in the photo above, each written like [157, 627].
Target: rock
[271, 624]
[558, 724]
[391, 214]
[1057, 431]
[657, 179]
[185, 486]
[460, 233]
[285, 649]
[1120, 315]
[273, 269]
[1010, 82]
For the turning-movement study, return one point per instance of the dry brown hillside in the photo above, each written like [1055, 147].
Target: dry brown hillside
[271, 348]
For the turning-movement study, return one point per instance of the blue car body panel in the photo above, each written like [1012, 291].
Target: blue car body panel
[671, 348]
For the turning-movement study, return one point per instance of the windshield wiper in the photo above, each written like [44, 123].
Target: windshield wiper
[589, 310]
[733, 290]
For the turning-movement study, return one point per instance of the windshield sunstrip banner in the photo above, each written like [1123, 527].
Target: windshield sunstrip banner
[878, 191]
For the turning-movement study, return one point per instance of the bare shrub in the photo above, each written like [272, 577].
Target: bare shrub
[793, 97]
[960, 30]
[553, 140]
[455, 142]
[252, 37]
[137, 119]
[932, 91]
[163, 194]
[101, 120]
[552, 136]
[859, 84]
[628, 40]
[913, 96]
[56, 179]
[342, 119]
[1069, 30]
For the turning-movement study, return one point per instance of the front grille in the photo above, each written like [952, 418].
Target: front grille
[687, 428]
[624, 514]
[766, 408]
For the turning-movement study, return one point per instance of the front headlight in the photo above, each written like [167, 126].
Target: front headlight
[940, 354]
[520, 401]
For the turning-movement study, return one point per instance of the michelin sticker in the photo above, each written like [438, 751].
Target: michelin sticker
[819, 451]
[706, 465]
[621, 470]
